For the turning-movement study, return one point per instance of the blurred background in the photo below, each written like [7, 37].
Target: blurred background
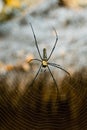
[68, 17]
[24, 106]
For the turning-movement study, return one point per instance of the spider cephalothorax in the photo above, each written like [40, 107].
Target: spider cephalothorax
[44, 59]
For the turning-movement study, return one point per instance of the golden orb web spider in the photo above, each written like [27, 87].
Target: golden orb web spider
[44, 59]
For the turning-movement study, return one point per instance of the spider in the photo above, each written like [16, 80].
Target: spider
[44, 60]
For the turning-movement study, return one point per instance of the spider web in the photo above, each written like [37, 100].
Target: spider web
[23, 106]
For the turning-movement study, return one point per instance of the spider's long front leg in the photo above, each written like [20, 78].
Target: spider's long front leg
[54, 44]
[35, 41]
[53, 80]
[58, 66]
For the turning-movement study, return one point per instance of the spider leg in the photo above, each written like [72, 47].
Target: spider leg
[36, 75]
[33, 59]
[53, 63]
[35, 41]
[57, 66]
[53, 80]
[54, 44]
